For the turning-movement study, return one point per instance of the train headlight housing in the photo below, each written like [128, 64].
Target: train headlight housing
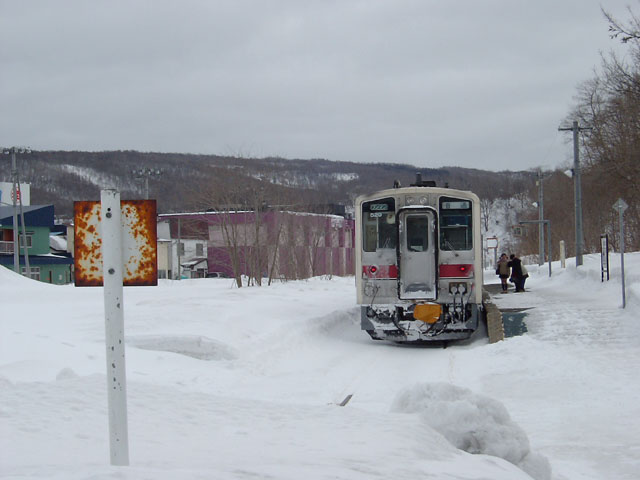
[422, 200]
[458, 288]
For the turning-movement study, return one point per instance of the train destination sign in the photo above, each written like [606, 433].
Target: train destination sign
[379, 207]
[462, 205]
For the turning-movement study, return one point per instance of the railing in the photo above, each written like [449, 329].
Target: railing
[6, 247]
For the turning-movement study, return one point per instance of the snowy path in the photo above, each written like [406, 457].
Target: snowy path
[575, 368]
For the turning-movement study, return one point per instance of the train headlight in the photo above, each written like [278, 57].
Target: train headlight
[417, 200]
[458, 287]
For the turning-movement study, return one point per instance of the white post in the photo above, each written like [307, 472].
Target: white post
[563, 255]
[621, 206]
[112, 269]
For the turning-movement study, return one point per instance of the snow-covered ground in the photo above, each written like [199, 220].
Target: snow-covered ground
[227, 383]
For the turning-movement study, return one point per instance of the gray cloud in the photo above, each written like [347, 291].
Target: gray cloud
[467, 83]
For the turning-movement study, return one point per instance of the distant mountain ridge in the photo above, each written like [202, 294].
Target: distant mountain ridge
[62, 177]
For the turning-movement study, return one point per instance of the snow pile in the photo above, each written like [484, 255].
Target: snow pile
[195, 346]
[474, 423]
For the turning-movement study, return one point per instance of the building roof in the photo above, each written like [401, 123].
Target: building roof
[58, 242]
[49, 259]
[34, 216]
[193, 262]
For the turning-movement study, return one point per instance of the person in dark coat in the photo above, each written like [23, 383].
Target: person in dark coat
[516, 273]
[503, 271]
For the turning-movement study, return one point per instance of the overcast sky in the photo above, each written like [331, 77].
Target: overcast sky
[481, 84]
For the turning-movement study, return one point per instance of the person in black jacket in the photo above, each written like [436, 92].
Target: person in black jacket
[503, 271]
[516, 273]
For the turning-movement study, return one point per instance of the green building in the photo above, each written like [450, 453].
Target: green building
[44, 266]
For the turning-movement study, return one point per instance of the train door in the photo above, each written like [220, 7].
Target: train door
[417, 254]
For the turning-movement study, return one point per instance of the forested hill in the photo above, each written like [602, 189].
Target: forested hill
[182, 182]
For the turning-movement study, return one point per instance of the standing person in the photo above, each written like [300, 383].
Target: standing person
[516, 272]
[503, 271]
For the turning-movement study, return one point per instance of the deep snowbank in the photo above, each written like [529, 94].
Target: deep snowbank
[245, 383]
[473, 423]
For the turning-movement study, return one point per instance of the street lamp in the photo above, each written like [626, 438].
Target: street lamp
[146, 173]
[542, 223]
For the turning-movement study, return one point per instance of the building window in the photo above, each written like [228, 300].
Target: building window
[199, 250]
[29, 239]
[34, 272]
[180, 248]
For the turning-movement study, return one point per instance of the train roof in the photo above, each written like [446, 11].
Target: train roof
[392, 192]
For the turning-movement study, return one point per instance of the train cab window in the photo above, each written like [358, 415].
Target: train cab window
[417, 233]
[456, 228]
[379, 224]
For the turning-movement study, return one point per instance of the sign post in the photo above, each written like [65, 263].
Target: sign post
[604, 256]
[112, 267]
[621, 206]
[115, 246]
[494, 246]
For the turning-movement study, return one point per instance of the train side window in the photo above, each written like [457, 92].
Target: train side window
[456, 226]
[379, 224]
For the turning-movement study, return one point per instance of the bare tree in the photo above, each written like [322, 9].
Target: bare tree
[609, 103]
[485, 212]
[625, 32]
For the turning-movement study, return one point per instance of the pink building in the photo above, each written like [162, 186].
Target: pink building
[270, 244]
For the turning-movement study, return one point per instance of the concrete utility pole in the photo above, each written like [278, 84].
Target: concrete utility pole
[17, 202]
[577, 188]
[540, 219]
[621, 206]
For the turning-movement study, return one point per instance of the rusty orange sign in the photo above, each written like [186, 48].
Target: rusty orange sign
[139, 243]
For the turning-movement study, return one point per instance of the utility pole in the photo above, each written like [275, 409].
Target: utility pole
[577, 187]
[179, 245]
[17, 202]
[540, 219]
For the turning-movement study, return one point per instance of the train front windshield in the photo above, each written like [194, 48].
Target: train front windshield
[456, 229]
[379, 224]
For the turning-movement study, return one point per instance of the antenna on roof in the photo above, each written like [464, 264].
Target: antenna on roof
[423, 183]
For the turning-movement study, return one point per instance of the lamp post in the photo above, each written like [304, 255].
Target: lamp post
[542, 223]
[146, 173]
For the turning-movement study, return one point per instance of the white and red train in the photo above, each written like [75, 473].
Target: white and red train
[419, 263]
